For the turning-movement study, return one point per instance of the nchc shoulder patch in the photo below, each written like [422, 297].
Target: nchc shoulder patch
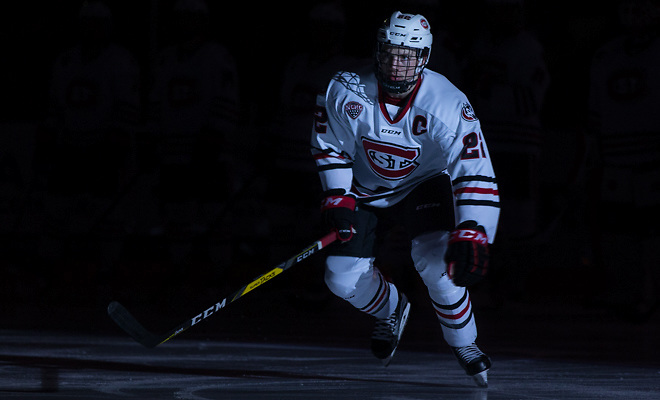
[353, 109]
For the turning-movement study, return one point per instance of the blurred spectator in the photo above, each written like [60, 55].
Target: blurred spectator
[82, 160]
[193, 104]
[193, 119]
[306, 74]
[506, 79]
[93, 109]
[623, 103]
[292, 178]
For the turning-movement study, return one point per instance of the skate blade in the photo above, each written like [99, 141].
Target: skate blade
[481, 379]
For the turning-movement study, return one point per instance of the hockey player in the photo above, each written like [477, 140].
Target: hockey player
[399, 144]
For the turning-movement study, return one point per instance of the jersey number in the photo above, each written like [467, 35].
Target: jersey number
[472, 147]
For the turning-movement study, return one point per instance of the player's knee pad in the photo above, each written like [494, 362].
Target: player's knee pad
[342, 273]
[428, 254]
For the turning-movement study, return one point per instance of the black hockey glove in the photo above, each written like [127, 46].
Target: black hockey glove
[338, 213]
[467, 254]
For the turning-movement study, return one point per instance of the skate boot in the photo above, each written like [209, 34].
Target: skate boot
[474, 362]
[388, 331]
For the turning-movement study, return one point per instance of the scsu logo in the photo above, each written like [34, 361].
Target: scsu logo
[390, 161]
[467, 113]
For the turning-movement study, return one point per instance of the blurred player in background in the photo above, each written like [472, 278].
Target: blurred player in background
[624, 94]
[507, 79]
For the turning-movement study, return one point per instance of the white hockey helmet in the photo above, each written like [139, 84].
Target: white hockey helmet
[411, 31]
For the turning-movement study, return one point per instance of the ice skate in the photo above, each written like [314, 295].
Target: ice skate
[388, 331]
[474, 362]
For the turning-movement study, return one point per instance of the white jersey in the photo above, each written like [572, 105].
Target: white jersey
[380, 152]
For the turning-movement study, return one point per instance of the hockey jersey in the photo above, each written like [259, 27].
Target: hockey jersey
[380, 153]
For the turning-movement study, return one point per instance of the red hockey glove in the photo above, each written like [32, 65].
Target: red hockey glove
[338, 213]
[467, 254]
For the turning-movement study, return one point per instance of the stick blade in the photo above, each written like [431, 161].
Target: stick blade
[125, 320]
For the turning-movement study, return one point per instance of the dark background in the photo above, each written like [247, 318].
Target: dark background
[34, 33]
[551, 270]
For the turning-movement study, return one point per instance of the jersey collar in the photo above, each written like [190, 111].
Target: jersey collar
[404, 103]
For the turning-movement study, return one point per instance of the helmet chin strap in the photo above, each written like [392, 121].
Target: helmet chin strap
[399, 88]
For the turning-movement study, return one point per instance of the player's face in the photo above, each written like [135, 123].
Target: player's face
[398, 63]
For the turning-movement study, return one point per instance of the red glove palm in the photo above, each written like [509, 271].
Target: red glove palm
[467, 254]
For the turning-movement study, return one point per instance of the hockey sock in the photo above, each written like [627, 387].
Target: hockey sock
[454, 311]
[384, 301]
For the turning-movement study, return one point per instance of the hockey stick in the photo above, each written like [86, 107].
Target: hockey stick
[137, 331]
